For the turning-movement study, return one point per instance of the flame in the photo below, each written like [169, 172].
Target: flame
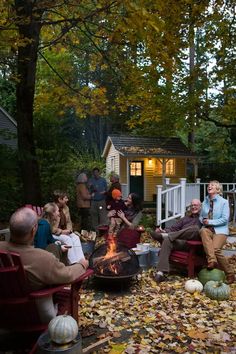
[111, 251]
[111, 248]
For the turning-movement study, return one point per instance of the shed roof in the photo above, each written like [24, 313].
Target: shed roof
[128, 145]
[8, 129]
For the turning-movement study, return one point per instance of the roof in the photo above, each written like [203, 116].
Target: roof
[8, 129]
[147, 146]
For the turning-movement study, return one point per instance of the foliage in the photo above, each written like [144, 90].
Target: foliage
[153, 68]
[157, 318]
[10, 183]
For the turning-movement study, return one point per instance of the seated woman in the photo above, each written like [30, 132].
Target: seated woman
[129, 234]
[43, 238]
[75, 252]
[214, 217]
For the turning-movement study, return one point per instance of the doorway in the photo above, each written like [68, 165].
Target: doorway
[136, 179]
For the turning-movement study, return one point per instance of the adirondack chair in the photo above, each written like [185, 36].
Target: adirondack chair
[191, 258]
[37, 209]
[18, 308]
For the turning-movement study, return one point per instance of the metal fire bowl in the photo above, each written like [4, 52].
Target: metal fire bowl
[117, 277]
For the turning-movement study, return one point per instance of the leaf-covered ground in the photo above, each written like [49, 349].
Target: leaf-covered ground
[151, 318]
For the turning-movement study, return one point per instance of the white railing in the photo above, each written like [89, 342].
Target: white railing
[170, 202]
[171, 205]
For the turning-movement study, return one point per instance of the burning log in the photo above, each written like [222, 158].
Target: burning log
[120, 256]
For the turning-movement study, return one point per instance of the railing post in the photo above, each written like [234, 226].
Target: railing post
[159, 205]
[182, 198]
[198, 180]
[167, 180]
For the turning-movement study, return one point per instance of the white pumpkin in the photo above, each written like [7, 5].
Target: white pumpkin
[193, 285]
[63, 329]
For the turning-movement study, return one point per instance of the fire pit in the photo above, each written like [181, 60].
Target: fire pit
[114, 261]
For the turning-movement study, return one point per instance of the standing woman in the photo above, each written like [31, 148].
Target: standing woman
[214, 217]
[83, 200]
[129, 235]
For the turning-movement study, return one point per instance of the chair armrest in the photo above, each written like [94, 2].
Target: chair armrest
[87, 274]
[47, 291]
[194, 243]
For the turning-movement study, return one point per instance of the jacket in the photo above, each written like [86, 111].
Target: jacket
[220, 216]
[42, 267]
[83, 197]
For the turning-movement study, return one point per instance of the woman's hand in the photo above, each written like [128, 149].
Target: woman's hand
[111, 213]
[205, 221]
[121, 214]
[65, 248]
[66, 232]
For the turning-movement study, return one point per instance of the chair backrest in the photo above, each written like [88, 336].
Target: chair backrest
[17, 310]
[13, 281]
[38, 209]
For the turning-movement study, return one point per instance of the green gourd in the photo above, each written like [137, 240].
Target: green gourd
[62, 329]
[215, 274]
[217, 290]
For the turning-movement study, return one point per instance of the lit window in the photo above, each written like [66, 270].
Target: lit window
[170, 167]
[135, 169]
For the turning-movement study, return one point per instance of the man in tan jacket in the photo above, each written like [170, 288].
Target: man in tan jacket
[42, 267]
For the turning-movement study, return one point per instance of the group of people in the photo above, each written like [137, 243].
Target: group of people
[32, 238]
[100, 204]
[207, 222]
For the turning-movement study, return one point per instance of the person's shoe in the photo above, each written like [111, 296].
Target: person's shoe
[160, 277]
[156, 236]
[230, 279]
[211, 265]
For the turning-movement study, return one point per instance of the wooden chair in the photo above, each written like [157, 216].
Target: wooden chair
[18, 309]
[191, 258]
[38, 209]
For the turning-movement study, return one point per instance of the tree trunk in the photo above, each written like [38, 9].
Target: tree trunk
[29, 31]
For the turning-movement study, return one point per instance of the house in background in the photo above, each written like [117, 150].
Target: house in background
[8, 129]
[145, 162]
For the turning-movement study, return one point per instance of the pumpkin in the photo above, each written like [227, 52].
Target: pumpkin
[63, 329]
[214, 274]
[193, 285]
[217, 290]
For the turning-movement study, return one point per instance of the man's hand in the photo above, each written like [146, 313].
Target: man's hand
[84, 262]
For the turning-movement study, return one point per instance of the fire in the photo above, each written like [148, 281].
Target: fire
[111, 248]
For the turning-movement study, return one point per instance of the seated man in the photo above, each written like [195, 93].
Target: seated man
[187, 228]
[42, 267]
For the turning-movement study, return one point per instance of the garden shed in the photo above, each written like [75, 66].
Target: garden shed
[144, 162]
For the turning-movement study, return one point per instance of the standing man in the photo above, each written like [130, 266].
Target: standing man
[98, 188]
[187, 228]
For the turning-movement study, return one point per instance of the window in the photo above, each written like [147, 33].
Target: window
[135, 169]
[170, 167]
[112, 163]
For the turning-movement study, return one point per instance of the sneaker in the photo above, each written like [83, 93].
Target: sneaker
[160, 277]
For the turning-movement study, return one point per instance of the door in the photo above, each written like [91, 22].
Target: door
[136, 180]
